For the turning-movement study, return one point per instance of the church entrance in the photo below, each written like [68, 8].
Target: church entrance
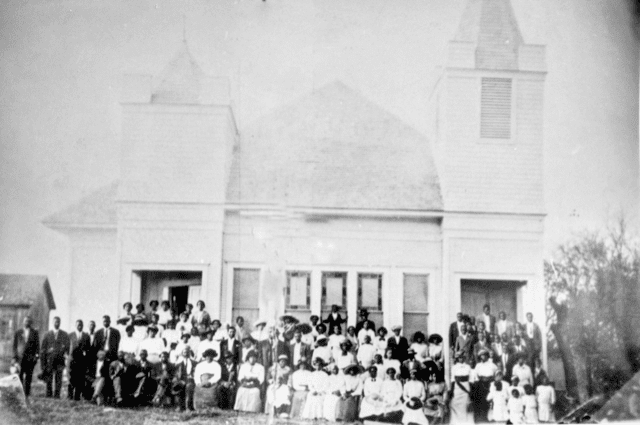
[501, 295]
[177, 287]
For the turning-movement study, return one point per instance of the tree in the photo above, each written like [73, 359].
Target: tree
[592, 284]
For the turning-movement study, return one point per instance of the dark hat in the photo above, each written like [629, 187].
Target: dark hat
[322, 341]
[210, 352]
[435, 339]
[414, 403]
[354, 368]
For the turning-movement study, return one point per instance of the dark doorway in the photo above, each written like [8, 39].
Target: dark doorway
[501, 295]
[178, 296]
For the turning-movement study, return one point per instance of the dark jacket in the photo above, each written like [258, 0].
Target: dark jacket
[180, 372]
[163, 376]
[270, 351]
[453, 334]
[52, 349]
[26, 351]
[229, 373]
[79, 348]
[330, 321]
[399, 347]
[305, 351]
[114, 342]
[235, 350]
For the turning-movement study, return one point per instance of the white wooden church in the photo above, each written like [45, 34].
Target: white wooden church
[328, 200]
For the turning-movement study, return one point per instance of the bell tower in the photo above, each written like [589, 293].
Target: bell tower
[489, 115]
[177, 139]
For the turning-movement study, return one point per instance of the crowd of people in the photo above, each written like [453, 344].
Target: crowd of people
[308, 370]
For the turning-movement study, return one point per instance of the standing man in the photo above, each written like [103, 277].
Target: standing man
[454, 329]
[26, 351]
[299, 350]
[108, 339]
[232, 346]
[334, 319]
[504, 326]
[488, 319]
[55, 345]
[398, 343]
[92, 341]
[241, 330]
[79, 350]
[533, 337]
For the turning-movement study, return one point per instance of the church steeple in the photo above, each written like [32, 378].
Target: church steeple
[181, 79]
[491, 25]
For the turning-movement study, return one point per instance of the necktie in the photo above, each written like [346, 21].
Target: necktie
[106, 339]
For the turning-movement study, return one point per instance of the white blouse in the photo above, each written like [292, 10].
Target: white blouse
[251, 371]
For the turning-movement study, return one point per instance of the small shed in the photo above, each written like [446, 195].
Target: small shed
[22, 295]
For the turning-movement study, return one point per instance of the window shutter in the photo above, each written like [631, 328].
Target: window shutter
[495, 113]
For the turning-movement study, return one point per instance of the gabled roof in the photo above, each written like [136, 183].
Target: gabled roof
[98, 209]
[24, 289]
[492, 25]
[334, 149]
[181, 79]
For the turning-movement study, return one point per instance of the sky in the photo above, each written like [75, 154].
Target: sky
[62, 62]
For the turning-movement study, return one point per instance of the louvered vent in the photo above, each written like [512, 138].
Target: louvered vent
[495, 114]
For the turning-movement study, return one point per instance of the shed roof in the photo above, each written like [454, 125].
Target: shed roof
[334, 149]
[24, 289]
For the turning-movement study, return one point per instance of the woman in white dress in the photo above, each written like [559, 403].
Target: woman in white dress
[318, 386]
[413, 413]
[420, 347]
[250, 378]
[332, 396]
[372, 402]
[335, 339]
[515, 407]
[345, 357]
[353, 338]
[434, 354]
[461, 407]
[380, 341]
[434, 406]
[299, 382]
[389, 361]
[350, 394]
[546, 397]
[392, 397]
[322, 351]
[530, 405]
[498, 396]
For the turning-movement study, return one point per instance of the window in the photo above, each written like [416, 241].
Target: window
[415, 303]
[298, 290]
[370, 295]
[246, 292]
[495, 108]
[334, 290]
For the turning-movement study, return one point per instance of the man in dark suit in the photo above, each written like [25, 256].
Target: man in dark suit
[398, 343]
[272, 348]
[364, 317]
[488, 319]
[464, 345]
[299, 350]
[55, 345]
[79, 351]
[26, 351]
[454, 329]
[228, 383]
[334, 319]
[108, 339]
[232, 345]
[163, 375]
[507, 360]
[533, 338]
[183, 383]
[123, 373]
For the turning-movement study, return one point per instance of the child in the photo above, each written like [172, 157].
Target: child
[498, 395]
[546, 397]
[515, 407]
[14, 369]
[530, 405]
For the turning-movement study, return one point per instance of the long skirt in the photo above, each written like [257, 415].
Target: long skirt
[206, 398]
[297, 403]
[313, 407]
[544, 412]
[461, 408]
[348, 408]
[370, 407]
[414, 417]
[248, 400]
[330, 407]
[480, 403]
